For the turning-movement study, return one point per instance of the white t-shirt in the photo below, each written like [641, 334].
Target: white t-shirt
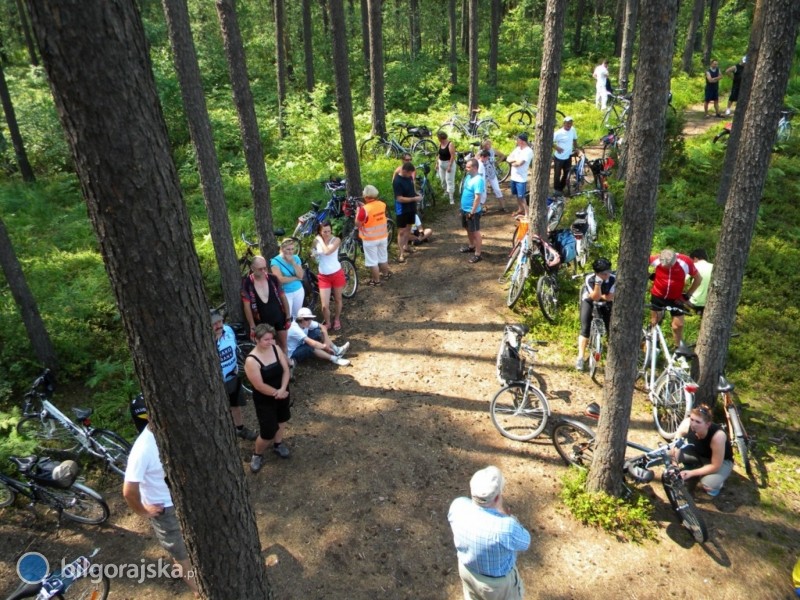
[296, 336]
[601, 75]
[525, 154]
[565, 140]
[145, 468]
[328, 263]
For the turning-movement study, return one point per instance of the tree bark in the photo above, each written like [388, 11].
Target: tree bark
[248, 124]
[376, 90]
[628, 41]
[13, 131]
[465, 26]
[549, 77]
[28, 308]
[713, 10]
[97, 62]
[414, 30]
[646, 144]
[619, 24]
[473, 55]
[494, 40]
[769, 83]
[308, 45]
[326, 27]
[280, 60]
[691, 36]
[365, 36]
[26, 32]
[451, 16]
[344, 101]
[194, 105]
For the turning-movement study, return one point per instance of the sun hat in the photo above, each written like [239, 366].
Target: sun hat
[305, 313]
[486, 485]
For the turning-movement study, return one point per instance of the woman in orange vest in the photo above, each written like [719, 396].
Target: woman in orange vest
[371, 223]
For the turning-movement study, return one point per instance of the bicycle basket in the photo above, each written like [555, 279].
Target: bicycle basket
[509, 364]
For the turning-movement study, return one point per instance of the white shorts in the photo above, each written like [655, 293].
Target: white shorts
[376, 253]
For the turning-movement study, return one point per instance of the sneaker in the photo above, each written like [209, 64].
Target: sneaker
[579, 364]
[727, 112]
[712, 493]
[281, 450]
[246, 434]
[339, 361]
[341, 350]
[256, 462]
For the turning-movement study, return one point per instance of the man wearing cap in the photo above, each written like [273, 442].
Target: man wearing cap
[308, 338]
[669, 280]
[225, 339]
[564, 144]
[520, 159]
[374, 234]
[487, 539]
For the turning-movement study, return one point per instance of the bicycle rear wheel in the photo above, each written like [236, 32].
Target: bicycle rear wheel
[79, 503]
[113, 448]
[487, 128]
[372, 148]
[519, 414]
[512, 257]
[350, 276]
[737, 430]
[48, 433]
[574, 443]
[425, 148]
[518, 279]
[671, 404]
[349, 247]
[521, 118]
[503, 170]
[683, 504]
[7, 495]
[547, 295]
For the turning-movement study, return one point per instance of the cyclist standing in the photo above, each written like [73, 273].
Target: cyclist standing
[564, 143]
[669, 280]
[597, 287]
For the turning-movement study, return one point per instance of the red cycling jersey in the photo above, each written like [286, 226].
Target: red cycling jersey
[670, 281]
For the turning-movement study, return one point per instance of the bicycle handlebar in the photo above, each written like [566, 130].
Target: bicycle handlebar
[672, 309]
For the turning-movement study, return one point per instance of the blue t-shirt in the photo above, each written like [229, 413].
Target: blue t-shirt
[226, 347]
[287, 270]
[474, 185]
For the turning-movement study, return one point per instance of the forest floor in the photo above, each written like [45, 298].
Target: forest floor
[381, 448]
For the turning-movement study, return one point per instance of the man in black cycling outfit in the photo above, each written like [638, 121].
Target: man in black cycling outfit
[599, 286]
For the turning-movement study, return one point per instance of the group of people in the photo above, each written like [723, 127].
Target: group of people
[713, 76]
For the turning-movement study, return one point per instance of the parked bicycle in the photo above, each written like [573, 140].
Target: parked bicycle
[425, 189]
[580, 173]
[584, 228]
[575, 443]
[543, 260]
[619, 107]
[390, 147]
[785, 126]
[414, 134]
[741, 441]
[526, 114]
[44, 423]
[672, 392]
[601, 169]
[72, 582]
[251, 250]
[469, 128]
[614, 145]
[44, 483]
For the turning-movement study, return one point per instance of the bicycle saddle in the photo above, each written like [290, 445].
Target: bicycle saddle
[24, 464]
[592, 410]
[520, 329]
[724, 385]
[279, 232]
[82, 413]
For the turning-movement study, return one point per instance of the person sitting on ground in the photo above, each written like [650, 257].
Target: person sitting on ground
[421, 234]
[697, 300]
[597, 287]
[669, 280]
[707, 447]
[308, 338]
[227, 351]
[374, 234]
[267, 368]
[288, 268]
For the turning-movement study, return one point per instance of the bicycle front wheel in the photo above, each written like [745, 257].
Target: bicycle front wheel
[521, 118]
[574, 443]
[87, 588]
[349, 247]
[48, 433]
[503, 170]
[79, 503]
[7, 495]
[487, 128]
[519, 414]
[350, 276]
[113, 448]
[372, 148]
[425, 148]
[608, 201]
[595, 350]
[683, 505]
[671, 404]
[735, 420]
[518, 279]
[512, 258]
[547, 295]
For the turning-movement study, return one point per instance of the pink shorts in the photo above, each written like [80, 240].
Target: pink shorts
[334, 280]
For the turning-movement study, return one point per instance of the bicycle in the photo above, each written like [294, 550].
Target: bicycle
[425, 189]
[619, 107]
[390, 147]
[580, 173]
[520, 233]
[784, 131]
[526, 114]
[70, 499]
[472, 128]
[597, 330]
[519, 410]
[672, 392]
[251, 250]
[544, 260]
[614, 144]
[744, 443]
[601, 169]
[414, 133]
[584, 228]
[43, 422]
[74, 578]
[575, 442]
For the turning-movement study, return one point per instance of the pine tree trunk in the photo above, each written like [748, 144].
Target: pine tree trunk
[769, 83]
[619, 25]
[451, 16]
[713, 10]
[691, 36]
[646, 141]
[414, 28]
[97, 63]
[365, 36]
[376, 68]
[344, 101]
[248, 124]
[194, 105]
[465, 26]
[494, 41]
[628, 41]
[326, 27]
[577, 40]
[473, 55]
[308, 45]
[280, 60]
[34, 325]
[549, 77]
[13, 131]
[26, 32]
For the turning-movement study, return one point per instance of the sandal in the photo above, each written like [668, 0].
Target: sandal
[373, 283]
[475, 258]
[337, 325]
[387, 275]
[401, 259]
[466, 250]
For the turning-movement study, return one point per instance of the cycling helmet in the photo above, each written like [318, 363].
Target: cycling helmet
[601, 265]
[139, 413]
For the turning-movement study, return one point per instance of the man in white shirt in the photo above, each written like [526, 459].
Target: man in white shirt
[520, 160]
[601, 92]
[564, 144]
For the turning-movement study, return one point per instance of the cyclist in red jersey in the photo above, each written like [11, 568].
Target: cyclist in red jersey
[669, 281]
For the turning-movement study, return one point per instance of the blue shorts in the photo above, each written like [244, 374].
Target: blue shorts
[304, 351]
[519, 189]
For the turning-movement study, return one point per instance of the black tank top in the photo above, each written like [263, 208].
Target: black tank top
[702, 448]
[271, 374]
[271, 311]
[444, 153]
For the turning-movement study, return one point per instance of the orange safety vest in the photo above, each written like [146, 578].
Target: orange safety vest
[374, 226]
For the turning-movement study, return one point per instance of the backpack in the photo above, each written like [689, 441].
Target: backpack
[564, 241]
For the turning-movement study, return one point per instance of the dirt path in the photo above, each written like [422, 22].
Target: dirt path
[381, 448]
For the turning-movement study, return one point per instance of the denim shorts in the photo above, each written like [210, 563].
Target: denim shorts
[519, 189]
